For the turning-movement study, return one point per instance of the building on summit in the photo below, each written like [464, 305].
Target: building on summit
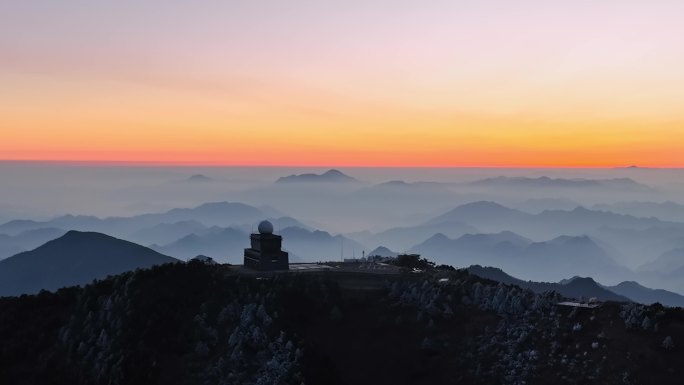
[266, 253]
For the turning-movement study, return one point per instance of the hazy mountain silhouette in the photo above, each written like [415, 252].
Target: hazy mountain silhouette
[471, 248]
[493, 217]
[278, 224]
[164, 233]
[666, 262]
[573, 288]
[271, 212]
[65, 222]
[27, 240]
[209, 214]
[481, 213]
[582, 220]
[621, 184]
[330, 176]
[642, 294]
[76, 258]
[666, 211]
[579, 255]
[666, 271]
[199, 178]
[224, 245]
[538, 205]
[318, 245]
[478, 242]
[402, 238]
[672, 280]
[639, 247]
[586, 287]
[548, 260]
[382, 252]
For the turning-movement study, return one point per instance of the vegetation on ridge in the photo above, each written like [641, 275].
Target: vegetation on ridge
[196, 323]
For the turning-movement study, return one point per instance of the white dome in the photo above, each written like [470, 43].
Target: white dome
[266, 227]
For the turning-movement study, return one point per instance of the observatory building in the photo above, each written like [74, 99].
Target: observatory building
[266, 253]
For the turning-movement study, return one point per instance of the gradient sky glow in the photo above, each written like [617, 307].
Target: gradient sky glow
[340, 82]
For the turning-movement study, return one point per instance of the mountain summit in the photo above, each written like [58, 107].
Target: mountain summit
[76, 258]
[334, 176]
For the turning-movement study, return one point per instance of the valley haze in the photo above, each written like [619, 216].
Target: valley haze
[546, 225]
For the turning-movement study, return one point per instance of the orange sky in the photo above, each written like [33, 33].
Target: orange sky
[572, 85]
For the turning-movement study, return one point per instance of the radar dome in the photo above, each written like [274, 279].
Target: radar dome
[266, 227]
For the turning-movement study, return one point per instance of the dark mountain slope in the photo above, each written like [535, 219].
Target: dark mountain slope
[574, 288]
[27, 240]
[197, 324]
[645, 295]
[75, 258]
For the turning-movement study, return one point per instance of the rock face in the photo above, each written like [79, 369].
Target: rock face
[76, 258]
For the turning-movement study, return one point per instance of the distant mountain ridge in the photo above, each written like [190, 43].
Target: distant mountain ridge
[312, 246]
[578, 287]
[645, 295]
[225, 245]
[382, 251]
[491, 217]
[572, 288]
[480, 211]
[76, 258]
[560, 183]
[551, 259]
[668, 261]
[27, 240]
[209, 214]
[667, 211]
[199, 178]
[403, 238]
[330, 176]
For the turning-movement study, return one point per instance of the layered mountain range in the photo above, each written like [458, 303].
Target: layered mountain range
[538, 238]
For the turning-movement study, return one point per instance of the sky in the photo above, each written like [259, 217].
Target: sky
[525, 83]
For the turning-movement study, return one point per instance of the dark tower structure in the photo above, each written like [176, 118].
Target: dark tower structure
[266, 253]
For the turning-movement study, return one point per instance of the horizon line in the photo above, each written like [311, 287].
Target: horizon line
[139, 163]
